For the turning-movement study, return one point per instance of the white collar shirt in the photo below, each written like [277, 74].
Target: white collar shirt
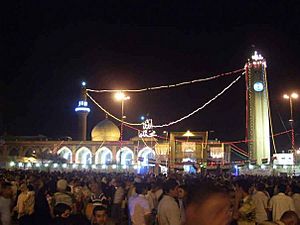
[279, 204]
[138, 208]
[168, 211]
[260, 200]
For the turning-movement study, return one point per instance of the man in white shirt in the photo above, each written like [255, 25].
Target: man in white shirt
[280, 203]
[139, 208]
[168, 208]
[260, 200]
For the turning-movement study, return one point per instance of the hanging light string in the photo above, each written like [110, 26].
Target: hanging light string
[200, 108]
[168, 85]
[170, 123]
[111, 115]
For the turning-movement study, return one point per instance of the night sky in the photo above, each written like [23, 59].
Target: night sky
[49, 47]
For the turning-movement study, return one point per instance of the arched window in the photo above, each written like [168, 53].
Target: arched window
[126, 156]
[65, 153]
[83, 156]
[103, 156]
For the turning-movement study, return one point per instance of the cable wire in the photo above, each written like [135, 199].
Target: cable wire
[111, 115]
[200, 108]
[168, 85]
[170, 123]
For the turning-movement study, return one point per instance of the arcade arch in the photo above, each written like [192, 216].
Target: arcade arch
[146, 153]
[103, 156]
[126, 155]
[83, 156]
[65, 153]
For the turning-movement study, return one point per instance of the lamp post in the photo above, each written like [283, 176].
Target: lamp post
[291, 120]
[120, 96]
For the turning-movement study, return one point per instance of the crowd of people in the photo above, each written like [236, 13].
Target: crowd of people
[88, 197]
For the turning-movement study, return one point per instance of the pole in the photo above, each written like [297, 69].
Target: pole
[292, 124]
[122, 123]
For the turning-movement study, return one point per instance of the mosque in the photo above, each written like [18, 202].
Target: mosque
[106, 151]
[185, 151]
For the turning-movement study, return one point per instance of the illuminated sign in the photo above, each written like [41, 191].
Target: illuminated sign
[82, 107]
[283, 159]
[147, 129]
[216, 152]
[257, 57]
[188, 146]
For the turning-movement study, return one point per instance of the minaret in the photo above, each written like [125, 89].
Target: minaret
[82, 110]
[257, 112]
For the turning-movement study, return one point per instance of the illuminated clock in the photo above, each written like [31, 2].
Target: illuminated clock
[258, 86]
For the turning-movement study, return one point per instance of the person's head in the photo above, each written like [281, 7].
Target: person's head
[260, 187]
[289, 218]
[62, 210]
[170, 187]
[182, 191]
[23, 187]
[6, 190]
[244, 186]
[95, 188]
[281, 188]
[207, 204]
[61, 185]
[99, 215]
[296, 188]
[140, 188]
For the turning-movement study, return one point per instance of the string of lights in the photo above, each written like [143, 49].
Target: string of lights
[170, 123]
[168, 85]
[222, 142]
[200, 108]
[111, 115]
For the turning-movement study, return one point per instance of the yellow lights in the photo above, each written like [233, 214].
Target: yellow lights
[293, 95]
[120, 96]
[188, 134]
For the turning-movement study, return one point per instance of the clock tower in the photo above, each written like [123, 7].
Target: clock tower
[257, 111]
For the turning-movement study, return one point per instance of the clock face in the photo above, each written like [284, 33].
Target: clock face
[258, 86]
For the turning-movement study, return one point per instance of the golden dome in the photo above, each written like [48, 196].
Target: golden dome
[105, 130]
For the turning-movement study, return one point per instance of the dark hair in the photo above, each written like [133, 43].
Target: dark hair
[169, 185]
[99, 208]
[289, 217]
[282, 188]
[140, 188]
[183, 187]
[200, 191]
[296, 188]
[244, 184]
[260, 187]
[60, 208]
[30, 187]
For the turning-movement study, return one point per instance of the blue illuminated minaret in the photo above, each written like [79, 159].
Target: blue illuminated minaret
[82, 110]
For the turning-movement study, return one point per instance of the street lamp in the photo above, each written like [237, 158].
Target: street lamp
[120, 96]
[291, 120]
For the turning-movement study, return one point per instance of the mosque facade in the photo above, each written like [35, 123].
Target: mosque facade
[106, 150]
